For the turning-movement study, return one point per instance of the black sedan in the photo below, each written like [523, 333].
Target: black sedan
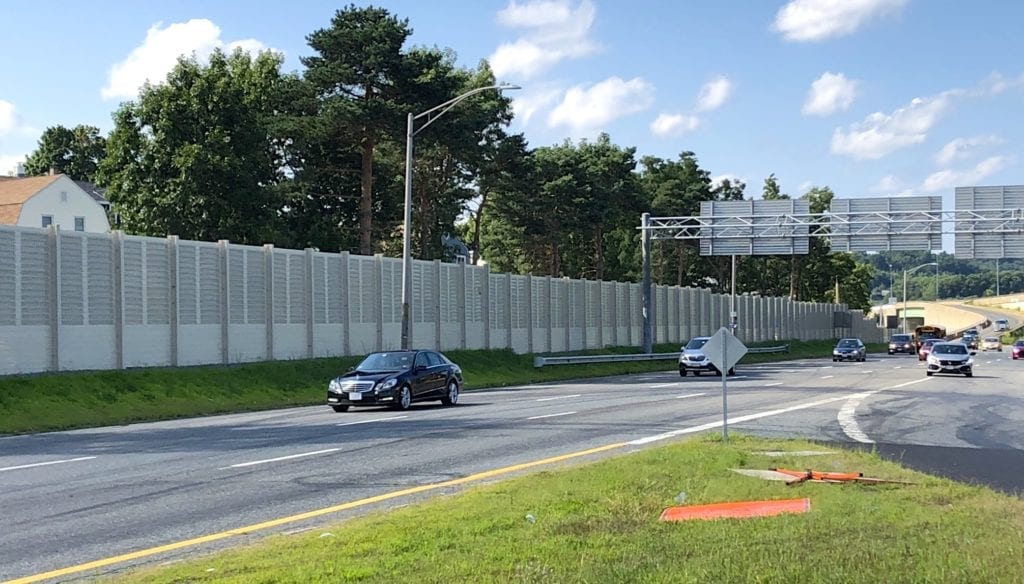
[396, 379]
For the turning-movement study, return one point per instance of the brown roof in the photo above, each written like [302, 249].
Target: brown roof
[14, 193]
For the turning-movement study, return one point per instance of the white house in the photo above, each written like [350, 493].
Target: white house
[41, 201]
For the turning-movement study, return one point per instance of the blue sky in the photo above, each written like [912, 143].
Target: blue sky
[870, 97]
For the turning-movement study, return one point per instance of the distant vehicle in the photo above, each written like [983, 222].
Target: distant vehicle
[926, 348]
[397, 379]
[1002, 325]
[1017, 350]
[971, 331]
[693, 359]
[950, 358]
[849, 350]
[970, 339]
[929, 331]
[992, 344]
[901, 343]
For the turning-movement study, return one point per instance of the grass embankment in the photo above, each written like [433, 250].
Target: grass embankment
[599, 523]
[36, 403]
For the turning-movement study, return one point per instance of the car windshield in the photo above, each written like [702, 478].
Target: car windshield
[848, 344]
[901, 338]
[949, 350]
[696, 343]
[386, 362]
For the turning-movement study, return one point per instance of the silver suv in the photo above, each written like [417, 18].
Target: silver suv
[692, 358]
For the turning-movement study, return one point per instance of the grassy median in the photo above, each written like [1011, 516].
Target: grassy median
[36, 403]
[599, 523]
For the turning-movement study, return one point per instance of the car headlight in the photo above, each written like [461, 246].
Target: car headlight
[933, 360]
[835, 351]
[334, 386]
[387, 384]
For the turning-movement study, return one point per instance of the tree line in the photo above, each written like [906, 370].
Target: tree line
[235, 148]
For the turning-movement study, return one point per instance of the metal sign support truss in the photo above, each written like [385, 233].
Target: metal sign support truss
[840, 227]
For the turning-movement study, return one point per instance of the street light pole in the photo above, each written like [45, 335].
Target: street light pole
[410, 132]
[905, 274]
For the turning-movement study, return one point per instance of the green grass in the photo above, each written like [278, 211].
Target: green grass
[36, 403]
[599, 523]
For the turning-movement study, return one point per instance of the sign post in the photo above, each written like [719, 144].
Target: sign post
[724, 350]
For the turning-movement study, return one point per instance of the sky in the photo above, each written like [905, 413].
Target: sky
[868, 97]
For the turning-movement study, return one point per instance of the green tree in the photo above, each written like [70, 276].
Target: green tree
[675, 188]
[363, 80]
[194, 156]
[76, 152]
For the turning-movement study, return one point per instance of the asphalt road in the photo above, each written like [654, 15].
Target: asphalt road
[73, 497]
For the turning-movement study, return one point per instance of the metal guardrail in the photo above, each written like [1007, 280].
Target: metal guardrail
[543, 360]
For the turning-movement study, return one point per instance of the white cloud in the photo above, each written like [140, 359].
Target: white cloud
[830, 93]
[12, 122]
[589, 109]
[713, 94]
[555, 30]
[948, 179]
[818, 20]
[528, 103]
[9, 162]
[961, 148]
[882, 134]
[157, 55]
[674, 124]
[888, 184]
[9, 119]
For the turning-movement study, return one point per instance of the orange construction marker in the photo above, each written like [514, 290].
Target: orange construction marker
[738, 509]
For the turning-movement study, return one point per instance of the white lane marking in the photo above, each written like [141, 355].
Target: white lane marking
[33, 465]
[828, 366]
[773, 384]
[749, 417]
[869, 371]
[551, 415]
[847, 416]
[690, 395]
[544, 399]
[828, 376]
[898, 367]
[660, 385]
[280, 458]
[373, 420]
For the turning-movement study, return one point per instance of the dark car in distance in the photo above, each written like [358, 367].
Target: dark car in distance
[397, 379]
[901, 343]
[849, 350]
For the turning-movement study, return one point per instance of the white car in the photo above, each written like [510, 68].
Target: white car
[692, 358]
[950, 358]
[991, 344]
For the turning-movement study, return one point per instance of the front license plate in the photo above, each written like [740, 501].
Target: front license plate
[355, 396]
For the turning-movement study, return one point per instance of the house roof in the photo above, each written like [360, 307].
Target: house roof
[94, 191]
[14, 193]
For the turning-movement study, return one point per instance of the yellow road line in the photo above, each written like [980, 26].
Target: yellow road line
[303, 516]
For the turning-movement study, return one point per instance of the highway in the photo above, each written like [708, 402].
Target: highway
[68, 498]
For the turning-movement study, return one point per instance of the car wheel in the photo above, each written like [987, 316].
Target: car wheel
[928, 373]
[682, 373]
[834, 359]
[891, 352]
[451, 397]
[968, 374]
[340, 409]
[404, 398]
